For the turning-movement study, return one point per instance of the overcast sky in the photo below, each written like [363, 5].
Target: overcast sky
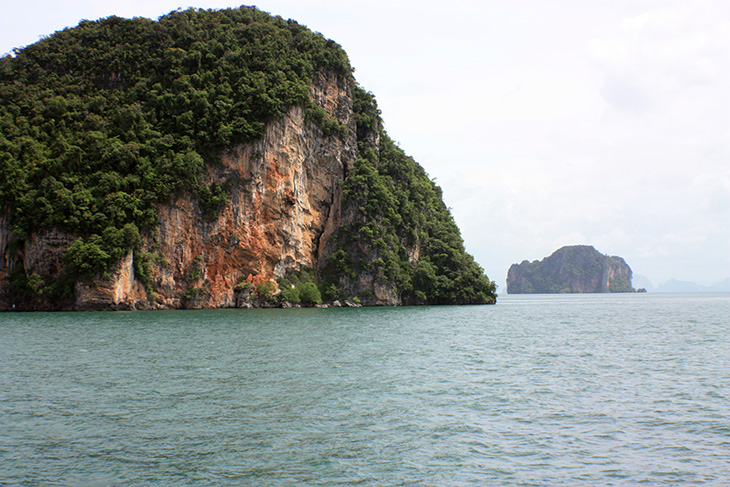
[600, 122]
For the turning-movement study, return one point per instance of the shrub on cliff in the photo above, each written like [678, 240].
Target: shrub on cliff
[309, 293]
[300, 287]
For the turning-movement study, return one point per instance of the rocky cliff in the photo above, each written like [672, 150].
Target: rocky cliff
[572, 269]
[284, 204]
[204, 205]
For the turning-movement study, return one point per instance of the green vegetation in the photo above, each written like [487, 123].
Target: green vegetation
[264, 292]
[100, 122]
[194, 296]
[301, 288]
[400, 213]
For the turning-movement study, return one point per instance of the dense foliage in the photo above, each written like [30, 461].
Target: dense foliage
[403, 233]
[100, 122]
[300, 288]
[572, 269]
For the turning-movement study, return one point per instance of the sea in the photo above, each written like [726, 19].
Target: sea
[537, 390]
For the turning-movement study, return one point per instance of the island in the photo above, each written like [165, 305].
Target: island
[209, 159]
[571, 269]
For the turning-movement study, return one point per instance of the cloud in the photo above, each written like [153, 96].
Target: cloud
[624, 94]
[663, 53]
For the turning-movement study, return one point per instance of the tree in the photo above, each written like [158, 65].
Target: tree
[309, 293]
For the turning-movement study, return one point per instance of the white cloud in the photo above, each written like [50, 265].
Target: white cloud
[664, 52]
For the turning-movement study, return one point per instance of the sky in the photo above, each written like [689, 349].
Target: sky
[601, 122]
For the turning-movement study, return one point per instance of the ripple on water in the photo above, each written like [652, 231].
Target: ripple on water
[543, 390]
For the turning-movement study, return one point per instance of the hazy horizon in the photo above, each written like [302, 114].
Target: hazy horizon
[545, 123]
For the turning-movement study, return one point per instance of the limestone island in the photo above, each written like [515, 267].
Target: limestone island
[209, 159]
[571, 269]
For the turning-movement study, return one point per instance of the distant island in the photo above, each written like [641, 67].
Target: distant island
[571, 269]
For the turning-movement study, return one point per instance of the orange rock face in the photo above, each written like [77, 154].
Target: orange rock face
[283, 205]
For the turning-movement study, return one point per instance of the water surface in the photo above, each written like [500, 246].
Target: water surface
[537, 390]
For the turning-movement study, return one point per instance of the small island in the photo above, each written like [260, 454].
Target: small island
[571, 269]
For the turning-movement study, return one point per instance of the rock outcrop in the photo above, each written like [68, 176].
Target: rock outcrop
[572, 269]
[284, 203]
[203, 160]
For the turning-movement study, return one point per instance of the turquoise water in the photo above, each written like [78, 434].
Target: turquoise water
[537, 390]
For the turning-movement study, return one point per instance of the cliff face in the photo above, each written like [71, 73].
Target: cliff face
[283, 205]
[203, 160]
[573, 269]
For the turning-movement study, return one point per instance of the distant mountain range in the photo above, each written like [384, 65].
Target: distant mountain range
[676, 286]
